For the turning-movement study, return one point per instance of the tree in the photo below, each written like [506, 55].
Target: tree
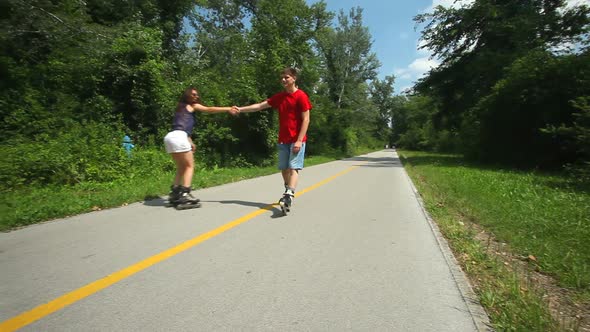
[539, 91]
[50, 59]
[413, 122]
[164, 15]
[382, 96]
[348, 58]
[139, 81]
[477, 46]
[281, 36]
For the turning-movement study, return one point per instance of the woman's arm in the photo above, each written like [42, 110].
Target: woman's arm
[213, 109]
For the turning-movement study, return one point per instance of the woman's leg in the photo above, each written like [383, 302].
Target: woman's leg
[178, 177]
[185, 166]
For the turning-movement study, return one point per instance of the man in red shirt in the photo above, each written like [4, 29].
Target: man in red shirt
[293, 105]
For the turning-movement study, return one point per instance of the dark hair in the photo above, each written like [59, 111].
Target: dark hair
[186, 95]
[289, 71]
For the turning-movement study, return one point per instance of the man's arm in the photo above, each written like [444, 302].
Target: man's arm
[302, 131]
[304, 125]
[255, 107]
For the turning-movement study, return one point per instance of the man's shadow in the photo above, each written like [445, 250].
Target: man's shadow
[276, 212]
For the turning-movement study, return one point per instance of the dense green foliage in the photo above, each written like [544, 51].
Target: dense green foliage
[512, 86]
[79, 75]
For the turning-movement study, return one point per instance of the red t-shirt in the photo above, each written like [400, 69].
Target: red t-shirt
[290, 107]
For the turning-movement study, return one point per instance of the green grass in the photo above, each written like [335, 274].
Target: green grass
[32, 205]
[536, 214]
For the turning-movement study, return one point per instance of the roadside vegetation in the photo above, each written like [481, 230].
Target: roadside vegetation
[521, 236]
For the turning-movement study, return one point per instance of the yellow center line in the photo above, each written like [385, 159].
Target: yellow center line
[65, 300]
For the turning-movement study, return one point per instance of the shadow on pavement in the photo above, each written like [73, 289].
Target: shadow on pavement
[154, 201]
[238, 202]
[276, 212]
[157, 201]
[377, 161]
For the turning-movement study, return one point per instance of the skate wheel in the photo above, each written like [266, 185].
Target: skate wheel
[188, 206]
[284, 208]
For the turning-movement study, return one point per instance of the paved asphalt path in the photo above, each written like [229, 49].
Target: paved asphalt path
[357, 253]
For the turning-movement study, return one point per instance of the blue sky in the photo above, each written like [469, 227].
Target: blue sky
[395, 40]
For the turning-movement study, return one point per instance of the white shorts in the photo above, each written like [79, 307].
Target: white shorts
[177, 141]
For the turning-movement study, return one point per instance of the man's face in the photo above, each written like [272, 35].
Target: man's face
[287, 80]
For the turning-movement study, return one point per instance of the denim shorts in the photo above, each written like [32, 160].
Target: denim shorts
[288, 159]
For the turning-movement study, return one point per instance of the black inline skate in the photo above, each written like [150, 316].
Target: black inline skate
[186, 200]
[286, 201]
[173, 196]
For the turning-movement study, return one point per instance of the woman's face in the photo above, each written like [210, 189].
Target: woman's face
[194, 97]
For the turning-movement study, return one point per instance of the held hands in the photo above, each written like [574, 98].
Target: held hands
[235, 110]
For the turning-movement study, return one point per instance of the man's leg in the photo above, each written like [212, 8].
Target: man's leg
[293, 176]
[284, 152]
[286, 173]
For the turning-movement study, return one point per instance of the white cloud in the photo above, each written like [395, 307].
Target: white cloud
[454, 3]
[403, 74]
[462, 3]
[572, 3]
[416, 69]
[422, 51]
[564, 47]
[422, 65]
[405, 89]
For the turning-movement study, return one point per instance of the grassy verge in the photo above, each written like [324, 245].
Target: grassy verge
[25, 207]
[522, 238]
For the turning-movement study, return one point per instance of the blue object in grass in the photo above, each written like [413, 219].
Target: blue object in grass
[128, 144]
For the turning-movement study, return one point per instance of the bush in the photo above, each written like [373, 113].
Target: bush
[148, 162]
[89, 152]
